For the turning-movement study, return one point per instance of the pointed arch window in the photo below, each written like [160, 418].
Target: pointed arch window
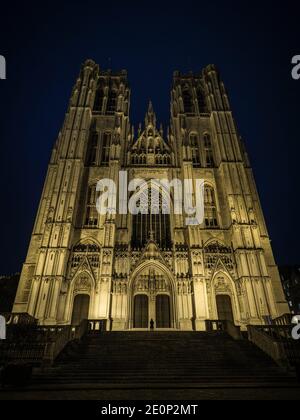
[209, 156]
[194, 141]
[91, 216]
[106, 144]
[201, 101]
[154, 222]
[162, 159]
[211, 218]
[188, 102]
[93, 150]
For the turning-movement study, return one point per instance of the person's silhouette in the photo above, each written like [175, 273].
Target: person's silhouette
[151, 325]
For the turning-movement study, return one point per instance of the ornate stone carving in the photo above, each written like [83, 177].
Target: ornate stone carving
[222, 285]
[83, 284]
[184, 287]
[151, 252]
[151, 283]
[119, 287]
[215, 252]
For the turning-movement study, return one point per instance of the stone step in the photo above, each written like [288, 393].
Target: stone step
[139, 357]
[161, 370]
[166, 379]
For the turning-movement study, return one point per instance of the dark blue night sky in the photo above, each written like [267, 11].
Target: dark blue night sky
[252, 43]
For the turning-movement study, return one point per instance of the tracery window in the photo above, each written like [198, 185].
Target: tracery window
[188, 101]
[106, 143]
[195, 150]
[209, 156]
[93, 150]
[91, 217]
[162, 159]
[211, 218]
[155, 223]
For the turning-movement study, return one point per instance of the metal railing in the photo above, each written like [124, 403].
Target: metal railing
[38, 345]
[277, 342]
[97, 326]
[217, 326]
[285, 319]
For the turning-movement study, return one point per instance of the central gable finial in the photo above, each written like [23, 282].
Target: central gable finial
[150, 118]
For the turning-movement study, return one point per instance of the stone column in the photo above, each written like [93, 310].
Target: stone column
[200, 302]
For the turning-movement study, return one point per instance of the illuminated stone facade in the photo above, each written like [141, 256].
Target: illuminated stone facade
[130, 270]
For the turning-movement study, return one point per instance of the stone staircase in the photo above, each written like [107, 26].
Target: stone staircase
[164, 359]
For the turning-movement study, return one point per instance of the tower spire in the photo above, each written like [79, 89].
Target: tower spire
[150, 118]
[150, 107]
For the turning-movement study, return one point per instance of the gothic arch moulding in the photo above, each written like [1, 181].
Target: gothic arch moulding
[155, 266]
[223, 284]
[82, 284]
[152, 278]
[218, 256]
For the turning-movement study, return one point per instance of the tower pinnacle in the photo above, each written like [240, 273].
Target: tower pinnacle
[150, 118]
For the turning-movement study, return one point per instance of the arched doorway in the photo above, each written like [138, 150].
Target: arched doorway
[141, 312]
[224, 308]
[163, 312]
[152, 298]
[81, 308]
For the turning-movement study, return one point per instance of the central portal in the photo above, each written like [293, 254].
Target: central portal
[145, 311]
[152, 301]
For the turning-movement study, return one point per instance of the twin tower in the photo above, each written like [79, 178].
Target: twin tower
[128, 270]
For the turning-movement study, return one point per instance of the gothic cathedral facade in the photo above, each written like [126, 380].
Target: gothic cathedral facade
[130, 271]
